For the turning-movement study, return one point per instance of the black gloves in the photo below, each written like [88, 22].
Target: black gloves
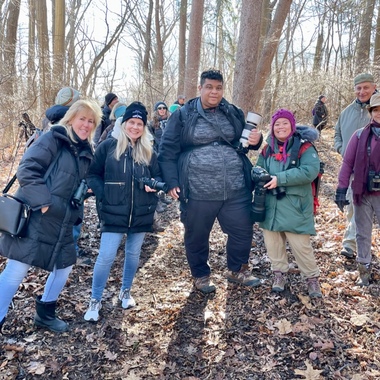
[340, 198]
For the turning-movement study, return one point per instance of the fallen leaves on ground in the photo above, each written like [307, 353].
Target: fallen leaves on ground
[176, 333]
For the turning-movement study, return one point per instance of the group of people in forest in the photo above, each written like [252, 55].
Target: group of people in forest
[199, 154]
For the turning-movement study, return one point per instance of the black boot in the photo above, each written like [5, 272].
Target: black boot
[45, 316]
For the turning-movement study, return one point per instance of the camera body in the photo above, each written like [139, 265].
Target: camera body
[80, 194]
[153, 184]
[260, 177]
[279, 192]
[373, 182]
[252, 121]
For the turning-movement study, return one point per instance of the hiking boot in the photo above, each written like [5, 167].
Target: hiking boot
[348, 252]
[279, 281]
[92, 313]
[126, 299]
[313, 287]
[204, 284]
[364, 274]
[160, 207]
[243, 277]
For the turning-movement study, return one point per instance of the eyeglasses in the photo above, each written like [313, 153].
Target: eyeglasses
[162, 108]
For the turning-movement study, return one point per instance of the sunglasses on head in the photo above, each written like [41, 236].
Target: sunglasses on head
[162, 108]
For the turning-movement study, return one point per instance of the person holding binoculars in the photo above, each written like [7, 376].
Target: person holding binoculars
[124, 176]
[49, 174]
[362, 160]
[288, 204]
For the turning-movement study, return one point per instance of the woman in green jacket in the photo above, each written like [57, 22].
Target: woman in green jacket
[289, 201]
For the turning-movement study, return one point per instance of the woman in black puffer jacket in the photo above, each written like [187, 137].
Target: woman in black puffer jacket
[49, 242]
[126, 203]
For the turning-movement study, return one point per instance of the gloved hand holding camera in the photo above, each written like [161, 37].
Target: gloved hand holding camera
[340, 198]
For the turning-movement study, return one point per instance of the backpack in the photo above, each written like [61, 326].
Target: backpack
[298, 148]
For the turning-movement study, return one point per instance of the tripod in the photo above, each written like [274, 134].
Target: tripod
[30, 133]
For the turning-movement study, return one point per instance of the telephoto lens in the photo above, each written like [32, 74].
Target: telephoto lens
[253, 120]
[260, 177]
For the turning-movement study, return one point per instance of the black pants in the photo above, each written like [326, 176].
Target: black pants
[234, 218]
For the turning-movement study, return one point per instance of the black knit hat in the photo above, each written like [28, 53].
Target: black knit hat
[160, 103]
[136, 110]
[109, 97]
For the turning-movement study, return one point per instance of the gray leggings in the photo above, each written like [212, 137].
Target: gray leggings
[364, 221]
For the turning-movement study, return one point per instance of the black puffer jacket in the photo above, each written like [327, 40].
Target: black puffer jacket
[49, 239]
[124, 204]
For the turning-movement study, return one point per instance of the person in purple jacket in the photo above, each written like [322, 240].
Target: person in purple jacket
[362, 159]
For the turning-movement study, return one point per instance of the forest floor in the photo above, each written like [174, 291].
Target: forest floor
[175, 332]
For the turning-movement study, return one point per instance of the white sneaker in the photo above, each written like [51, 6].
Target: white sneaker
[92, 314]
[126, 299]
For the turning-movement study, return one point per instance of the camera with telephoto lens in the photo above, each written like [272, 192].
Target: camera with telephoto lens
[373, 182]
[252, 121]
[153, 184]
[80, 194]
[260, 177]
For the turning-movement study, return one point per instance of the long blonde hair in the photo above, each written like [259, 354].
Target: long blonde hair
[82, 105]
[142, 149]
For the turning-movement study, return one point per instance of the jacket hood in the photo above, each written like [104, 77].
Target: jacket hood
[307, 133]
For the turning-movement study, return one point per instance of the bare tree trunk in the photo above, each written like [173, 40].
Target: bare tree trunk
[269, 50]
[364, 43]
[31, 65]
[376, 54]
[247, 54]
[194, 48]
[43, 53]
[159, 62]
[59, 44]
[182, 47]
[8, 77]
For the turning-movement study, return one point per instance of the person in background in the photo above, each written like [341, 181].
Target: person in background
[181, 99]
[126, 204]
[109, 101]
[352, 118]
[203, 169]
[362, 157]
[117, 111]
[65, 98]
[173, 108]
[49, 242]
[156, 128]
[320, 113]
[289, 203]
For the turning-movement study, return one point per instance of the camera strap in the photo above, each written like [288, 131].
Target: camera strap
[48, 171]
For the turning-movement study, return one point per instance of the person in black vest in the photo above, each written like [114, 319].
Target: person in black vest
[49, 242]
[204, 170]
[109, 101]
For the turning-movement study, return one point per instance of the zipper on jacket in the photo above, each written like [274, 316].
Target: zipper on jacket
[132, 191]
[114, 183]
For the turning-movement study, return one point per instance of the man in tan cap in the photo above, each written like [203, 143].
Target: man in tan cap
[352, 118]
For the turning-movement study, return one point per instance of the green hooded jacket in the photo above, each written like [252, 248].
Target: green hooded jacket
[294, 212]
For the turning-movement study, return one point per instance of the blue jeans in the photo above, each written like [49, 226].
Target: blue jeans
[14, 273]
[109, 243]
